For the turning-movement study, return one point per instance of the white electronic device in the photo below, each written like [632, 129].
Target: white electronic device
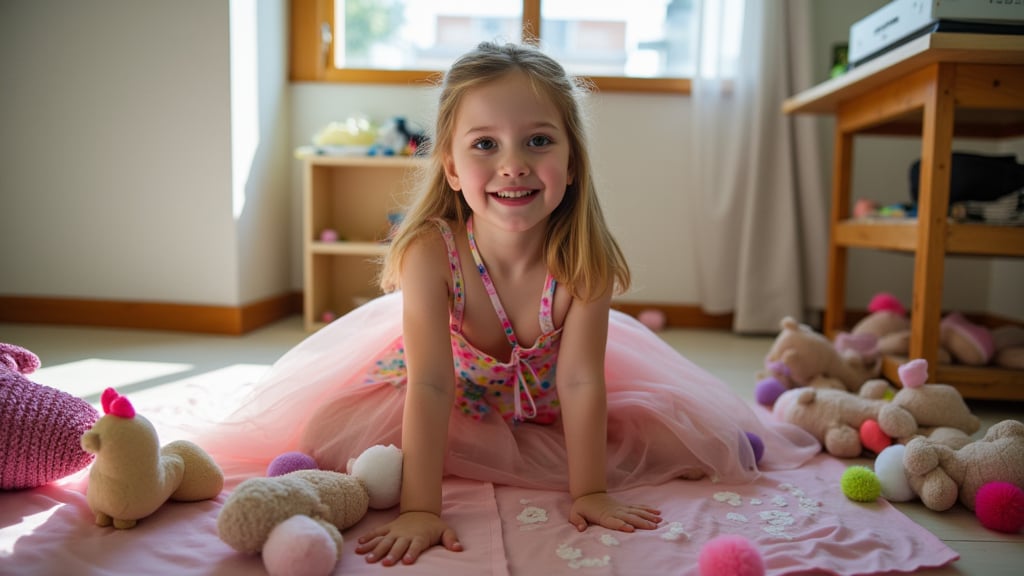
[902, 20]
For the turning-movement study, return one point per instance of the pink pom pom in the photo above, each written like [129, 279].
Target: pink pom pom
[1000, 507]
[914, 374]
[290, 462]
[883, 301]
[653, 319]
[299, 547]
[730, 555]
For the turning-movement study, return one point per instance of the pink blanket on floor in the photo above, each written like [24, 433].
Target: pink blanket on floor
[799, 520]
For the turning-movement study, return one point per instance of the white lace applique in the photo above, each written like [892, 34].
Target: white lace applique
[574, 558]
[609, 540]
[777, 521]
[675, 532]
[532, 517]
[730, 498]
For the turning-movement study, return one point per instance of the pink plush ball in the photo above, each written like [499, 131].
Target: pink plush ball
[290, 462]
[873, 438]
[300, 547]
[653, 319]
[730, 555]
[1000, 507]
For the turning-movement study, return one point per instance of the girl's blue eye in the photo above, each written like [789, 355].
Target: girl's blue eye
[540, 140]
[484, 144]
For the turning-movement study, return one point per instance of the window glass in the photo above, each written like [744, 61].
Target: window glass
[637, 38]
[418, 34]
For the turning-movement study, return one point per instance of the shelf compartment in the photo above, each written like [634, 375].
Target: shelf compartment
[353, 197]
[340, 283]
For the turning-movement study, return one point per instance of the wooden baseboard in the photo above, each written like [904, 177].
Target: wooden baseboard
[231, 320]
[679, 315]
[235, 320]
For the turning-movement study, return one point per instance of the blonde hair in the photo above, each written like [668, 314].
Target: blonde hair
[580, 251]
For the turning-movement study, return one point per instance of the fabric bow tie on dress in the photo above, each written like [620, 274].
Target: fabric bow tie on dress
[521, 388]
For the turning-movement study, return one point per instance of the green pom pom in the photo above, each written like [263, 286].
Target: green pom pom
[860, 484]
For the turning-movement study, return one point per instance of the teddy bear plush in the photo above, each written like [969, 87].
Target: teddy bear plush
[40, 425]
[920, 407]
[837, 417]
[832, 416]
[132, 475]
[295, 520]
[799, 355]
[940, 476]
[886, 329]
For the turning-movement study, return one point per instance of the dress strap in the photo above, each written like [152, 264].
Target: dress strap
[458, 287]
[510, 334]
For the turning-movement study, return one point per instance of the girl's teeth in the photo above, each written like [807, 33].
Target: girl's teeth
[515, 194]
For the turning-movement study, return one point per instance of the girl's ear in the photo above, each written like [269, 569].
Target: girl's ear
[450, 174]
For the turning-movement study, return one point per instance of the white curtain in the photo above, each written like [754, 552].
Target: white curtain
[758, 220]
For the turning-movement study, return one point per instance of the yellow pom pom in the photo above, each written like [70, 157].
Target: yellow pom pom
[860, 484]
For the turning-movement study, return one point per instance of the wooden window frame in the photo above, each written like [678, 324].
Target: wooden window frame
[311, 61]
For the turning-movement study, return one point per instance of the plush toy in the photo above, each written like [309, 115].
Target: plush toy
[1009, 346]
[837, 418]
[296, 519]
[832, 416]
[40, 426]
[799, 355]
[133, 476]
[919, 407]
[886, 328]
[940, 476]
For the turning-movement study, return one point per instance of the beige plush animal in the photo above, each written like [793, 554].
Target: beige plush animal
[295, 520]
[832, 416]
[940, 475]
[835, 417]
[919, 407]
[799, 355]
[132, 475]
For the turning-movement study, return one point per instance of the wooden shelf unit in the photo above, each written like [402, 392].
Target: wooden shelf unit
[937, 86]
[352, 195]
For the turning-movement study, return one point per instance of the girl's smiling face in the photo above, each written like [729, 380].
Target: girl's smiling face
[509, 154]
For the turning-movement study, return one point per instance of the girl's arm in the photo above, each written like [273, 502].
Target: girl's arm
[581, 391]
[430, 391]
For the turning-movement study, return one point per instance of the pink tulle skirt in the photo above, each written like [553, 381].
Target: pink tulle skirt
[667, 418]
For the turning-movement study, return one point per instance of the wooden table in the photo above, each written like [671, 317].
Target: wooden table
[937, 86]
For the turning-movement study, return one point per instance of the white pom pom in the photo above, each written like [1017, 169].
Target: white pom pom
[380, 468]
[893, 476]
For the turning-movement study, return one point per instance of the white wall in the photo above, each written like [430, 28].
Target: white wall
[126, 174]
[116, 150]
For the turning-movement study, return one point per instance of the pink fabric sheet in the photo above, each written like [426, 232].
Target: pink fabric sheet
[799, 520]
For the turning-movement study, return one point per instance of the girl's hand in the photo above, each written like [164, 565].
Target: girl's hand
[406, 537]
[601, 509]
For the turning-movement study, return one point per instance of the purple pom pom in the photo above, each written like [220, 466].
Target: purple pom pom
[290, 462]
[767, 391]
[757, 445]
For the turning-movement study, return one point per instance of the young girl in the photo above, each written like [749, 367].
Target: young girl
[506, 271]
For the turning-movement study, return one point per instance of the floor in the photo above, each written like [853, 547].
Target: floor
[84, 361]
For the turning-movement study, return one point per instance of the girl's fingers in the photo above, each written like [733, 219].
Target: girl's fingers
[397, 552]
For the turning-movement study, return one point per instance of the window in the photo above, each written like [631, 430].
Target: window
[640, 45]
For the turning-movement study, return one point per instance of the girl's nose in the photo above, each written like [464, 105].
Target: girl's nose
[514, 165]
